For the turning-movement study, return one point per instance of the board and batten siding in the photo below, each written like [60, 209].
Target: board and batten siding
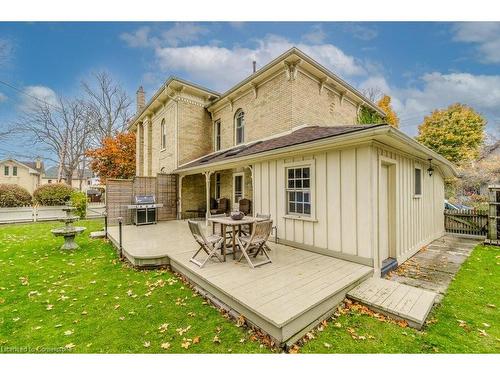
[344, 220]
[419, 220]
[341, 198]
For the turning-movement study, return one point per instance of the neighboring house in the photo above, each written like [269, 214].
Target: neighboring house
[287, 138]
[23, 173]
[50, 177]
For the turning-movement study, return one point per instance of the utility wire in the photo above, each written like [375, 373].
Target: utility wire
[29, 95]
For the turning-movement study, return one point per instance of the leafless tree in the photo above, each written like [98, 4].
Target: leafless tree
[373, 93]
[108, 105]
[63, 129]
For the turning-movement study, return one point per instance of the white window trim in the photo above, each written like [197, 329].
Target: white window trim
[215, 135]
[312, 188]
[242, 174]
[217, 196]
[235, 127]
[418, 196]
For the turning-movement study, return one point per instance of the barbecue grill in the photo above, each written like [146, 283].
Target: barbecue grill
[145, 209]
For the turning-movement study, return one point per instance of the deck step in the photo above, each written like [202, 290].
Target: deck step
[396, 300]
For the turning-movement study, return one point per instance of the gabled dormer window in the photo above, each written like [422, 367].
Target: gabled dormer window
[239, 126]
[217, 135]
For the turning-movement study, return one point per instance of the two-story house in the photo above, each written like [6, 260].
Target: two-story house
[26, 174]
[287, 138]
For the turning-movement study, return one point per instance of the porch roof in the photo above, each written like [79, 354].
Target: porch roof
[310, 138]
[299, 136]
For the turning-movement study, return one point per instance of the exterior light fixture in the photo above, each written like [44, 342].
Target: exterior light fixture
[430, 170]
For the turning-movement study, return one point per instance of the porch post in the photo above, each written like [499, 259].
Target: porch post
[253, 188]
[207, 190]
[179, 201]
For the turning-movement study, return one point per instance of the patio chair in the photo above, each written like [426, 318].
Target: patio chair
[245, 206]
[209, 245]
[267, 217]
[222, 207]
[254, 244]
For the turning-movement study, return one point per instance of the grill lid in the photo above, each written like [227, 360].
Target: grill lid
[144, 199]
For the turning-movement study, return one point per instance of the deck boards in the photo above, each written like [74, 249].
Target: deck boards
[294, 291]
[402, 301]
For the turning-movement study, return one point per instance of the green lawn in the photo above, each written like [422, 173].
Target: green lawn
[88, 301]
[467, 320]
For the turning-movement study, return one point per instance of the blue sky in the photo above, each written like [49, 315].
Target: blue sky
[423, 66]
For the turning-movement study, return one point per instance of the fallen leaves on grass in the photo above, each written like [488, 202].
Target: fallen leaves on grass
[182, 331]
[163, 328]
[165, 345]
[146, 344]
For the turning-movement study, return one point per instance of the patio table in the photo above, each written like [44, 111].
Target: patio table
[236, 227]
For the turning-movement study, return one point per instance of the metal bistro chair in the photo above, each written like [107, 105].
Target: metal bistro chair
[255, 243]
[209, 245]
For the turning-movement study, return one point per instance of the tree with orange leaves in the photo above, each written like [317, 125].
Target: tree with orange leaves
[115, 158]
[385, 104]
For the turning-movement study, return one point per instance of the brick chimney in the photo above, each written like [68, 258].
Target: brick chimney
[141, 99]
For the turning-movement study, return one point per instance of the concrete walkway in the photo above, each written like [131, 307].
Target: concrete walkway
[410, 291]
[435, 266]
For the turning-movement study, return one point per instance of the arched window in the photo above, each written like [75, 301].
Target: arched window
[239, 126]
[163, 134]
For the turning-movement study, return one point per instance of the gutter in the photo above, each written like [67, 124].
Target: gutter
[309, 146]
[356, 137]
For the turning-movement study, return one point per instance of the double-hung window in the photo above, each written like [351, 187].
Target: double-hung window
[217, 135]
[163, 135]
[6, 170]
[298, 190]
[14, 171]
[239, 127]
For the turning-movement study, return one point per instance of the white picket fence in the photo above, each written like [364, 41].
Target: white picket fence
[44, 213]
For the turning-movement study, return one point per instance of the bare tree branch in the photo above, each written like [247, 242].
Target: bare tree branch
[108, 105]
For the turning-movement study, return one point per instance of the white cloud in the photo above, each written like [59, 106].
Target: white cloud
[6, 51]
[137, 38]
[361, 31]
[40, 94]
[437, 90]
[180, 32]
[486, 35]
[316, 36]
[222, 67]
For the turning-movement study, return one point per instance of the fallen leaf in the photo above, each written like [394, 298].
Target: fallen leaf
[165, 345]
[163, 327]
[486, 325]
[186, 344]
[196, 339]
[327, 345]
[68, 333]
[147, 344]
[69, 346]
[482, 332]
[491, 305]
[216, 339]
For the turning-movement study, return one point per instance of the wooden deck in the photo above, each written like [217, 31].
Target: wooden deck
[395, 299]
[285, 298]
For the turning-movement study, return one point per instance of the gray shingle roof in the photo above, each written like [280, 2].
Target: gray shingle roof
[299, 136]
